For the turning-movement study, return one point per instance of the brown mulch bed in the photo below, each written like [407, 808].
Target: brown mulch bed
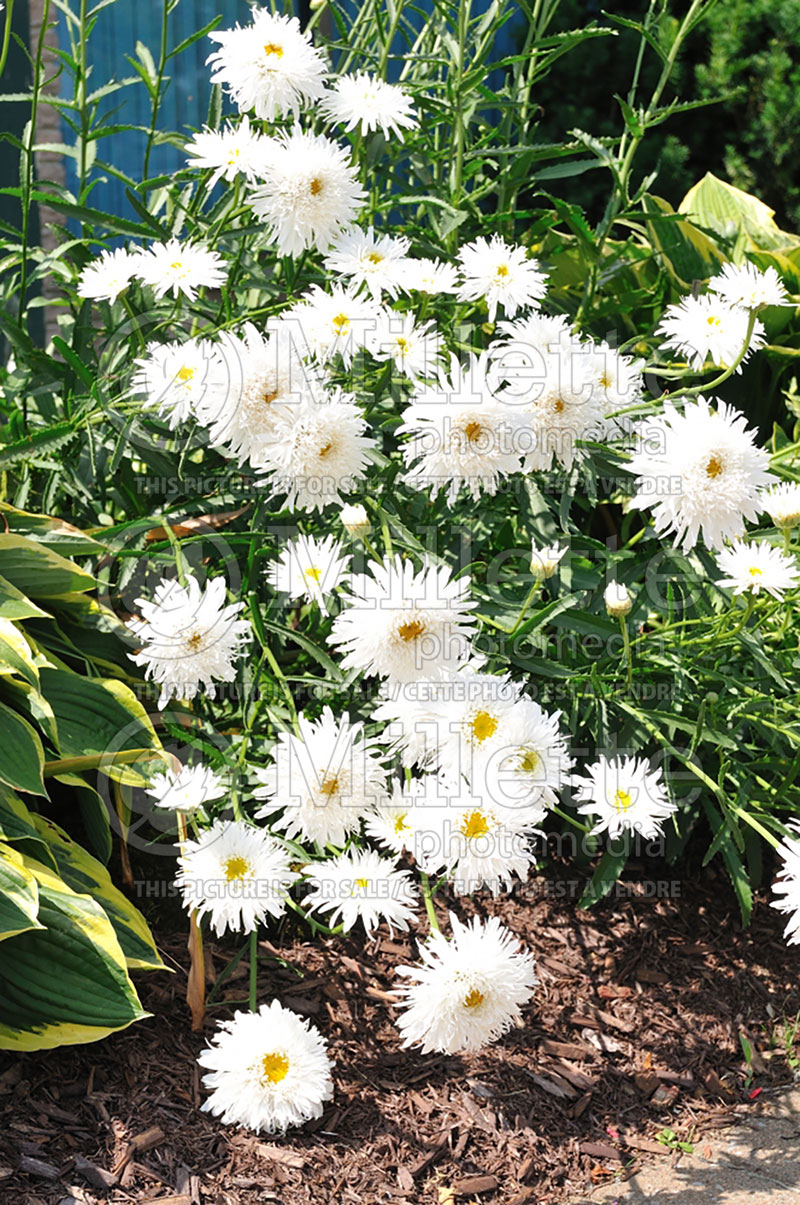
[635, 1028]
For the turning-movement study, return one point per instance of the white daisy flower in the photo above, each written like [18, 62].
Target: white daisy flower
[173, 377]
[388, 824]
[782, 504]
[371, 259]
[355, 520]
[319, 451]
[190, 637]
[404, 624]
[470, 711]
[269, 66]
[476, 844]
[415, 350]
[370, 103]
[618, 600]
[361, 885]
[325, 780]
[180, 268]
[787, 884]
[466, 992]
[699, 471]
[104, 278]
[625, 795]
[187, 789]
[257, 381]
[267, 1070]
[751, 568]
[309, 568]
[462, 432]
[521, 776]
[545, 561]
[747, 286]
[229, 152]
[618, 379]
[325, 325]
[237, 874]
[501, 273]
[542, 332]
[310, 191]
[708, 328]
[432, 276]
[410, 711]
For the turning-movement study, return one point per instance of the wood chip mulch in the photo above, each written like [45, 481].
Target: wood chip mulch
[636, 1029]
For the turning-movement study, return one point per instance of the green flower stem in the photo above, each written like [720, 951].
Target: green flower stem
[253, 969]
[584, 828]
[427, 895]
[787, 540]
[315, 925]
[626, 640]
[95, 761]
[6, 34]
[520, 618]
[279, 674]
[746, 613]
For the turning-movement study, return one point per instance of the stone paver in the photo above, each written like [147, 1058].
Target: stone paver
[756, 1162]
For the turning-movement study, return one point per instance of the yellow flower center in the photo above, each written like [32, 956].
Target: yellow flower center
[314, 573]
[195, 641]
[324, 451]
[502, 271]
[473, 431]
[473, 998]
[558, 405]
[713, 321]
[362, 883]
[605, 381]
[754, 571]
[400, 825]
[529, 761]
[341, 322]
[236, 868]
[329, 786]
[622, 801]
[714, 467]
[273, 48]
[402, 343]
[185, 373]
[274, 1067]
[315, 187]
[375, 257]
[411, 630]
[483, 725]
[233, 156]
[268, 396]
[176, 264]
[474, 825]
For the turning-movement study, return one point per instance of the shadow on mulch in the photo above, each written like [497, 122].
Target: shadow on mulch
[635, 1029]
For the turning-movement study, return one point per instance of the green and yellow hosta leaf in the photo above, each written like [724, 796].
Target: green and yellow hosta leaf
[86, 875]
[730, 212]
[16, 825]
[22, 757]
[687, 251]
[56, 533]
[15, 605]
[19, 894]
[68, 982]
[16, 655]
[39, 571]
[94, 814]
[100, 717]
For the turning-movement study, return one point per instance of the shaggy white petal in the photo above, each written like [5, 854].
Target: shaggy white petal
[365, 101]
[269, 66]
[747, 286]
[371, 259]
[181, 268]
[361, 885]
[229, 152]
[625, 795]
[173, 378]
[708, 328]
[751, 568]
[309, 568]
[187, 789]
[501, 273]
[788, 884]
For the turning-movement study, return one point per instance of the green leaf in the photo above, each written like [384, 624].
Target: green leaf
[19, 894]
[23, 757]
[38, 443]
[56, 533]
[99, 716]
[68, 982]
[94, 815]
[608, 870]
[690, 253]
[728, 211]
[15, 605]
[38, 571]
[16, 655]
[87, 876]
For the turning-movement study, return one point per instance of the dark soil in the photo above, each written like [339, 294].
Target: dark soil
[634, 1030]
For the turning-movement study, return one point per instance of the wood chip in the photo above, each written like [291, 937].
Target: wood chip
[599, 1150]
[471, 1184]
[647, 1083]
[144, 1141]
[38, 1167]
[277, 1154]
[98, 1177]
[645, 976]
[568, 1050]
[559, 1089]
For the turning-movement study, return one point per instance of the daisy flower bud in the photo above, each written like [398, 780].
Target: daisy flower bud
[545, 561]
[617, 599]
[782, 504]
[267, 1070]
[751, 568]
[466, 992]
[355, 520]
